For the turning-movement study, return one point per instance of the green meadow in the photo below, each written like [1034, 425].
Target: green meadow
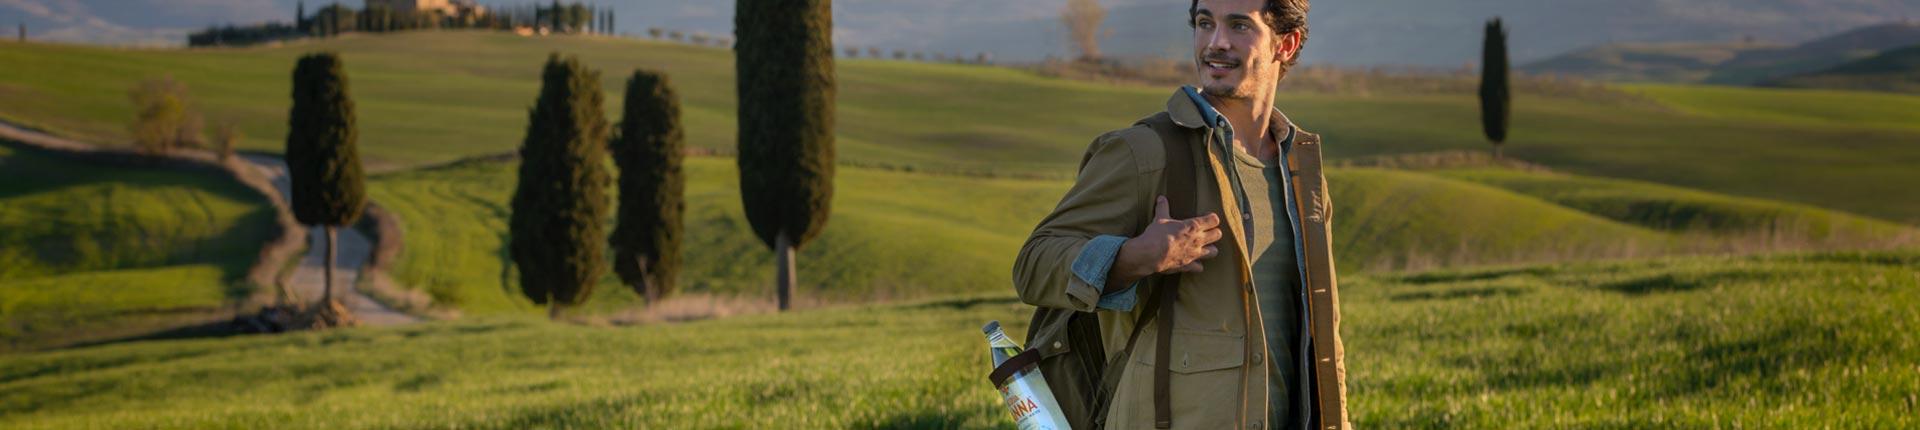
[472, 98]
[1793, 341]
[84, 246]
[1691, 262]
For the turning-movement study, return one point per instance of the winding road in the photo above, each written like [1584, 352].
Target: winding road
[308, 282]
[352, 251]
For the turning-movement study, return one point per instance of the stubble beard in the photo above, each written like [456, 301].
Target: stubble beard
[1255, 77]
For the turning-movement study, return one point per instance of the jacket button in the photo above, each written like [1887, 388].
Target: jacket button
[1056, 344]
[1255, 424]
[1259, 357]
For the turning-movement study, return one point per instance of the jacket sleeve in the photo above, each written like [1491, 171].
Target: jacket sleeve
[1105, 200]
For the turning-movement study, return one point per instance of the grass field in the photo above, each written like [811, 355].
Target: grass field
[899, 235]
[986, 119]
[83, 246]
[1818, 340]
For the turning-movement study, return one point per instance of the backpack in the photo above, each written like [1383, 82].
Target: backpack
[1071, 352]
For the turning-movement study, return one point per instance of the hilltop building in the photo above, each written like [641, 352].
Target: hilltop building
[445, 7]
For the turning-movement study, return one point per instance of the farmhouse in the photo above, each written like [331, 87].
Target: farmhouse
[446, 7]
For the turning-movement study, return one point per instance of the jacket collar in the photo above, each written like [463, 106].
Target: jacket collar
[1186, 110]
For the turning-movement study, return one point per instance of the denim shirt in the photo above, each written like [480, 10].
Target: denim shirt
[1096, 258]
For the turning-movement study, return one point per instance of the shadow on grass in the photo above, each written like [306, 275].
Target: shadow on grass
[1460, 294]
[204, 330]
[1455, 277]
[1670, 282]
[964, 304]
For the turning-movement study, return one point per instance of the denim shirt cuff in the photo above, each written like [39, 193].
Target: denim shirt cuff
[1092, 265]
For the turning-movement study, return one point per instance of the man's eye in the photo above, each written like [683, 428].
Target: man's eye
[1205, 25]
[1242, 27]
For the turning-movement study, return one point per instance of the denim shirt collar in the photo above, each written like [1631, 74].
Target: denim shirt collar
[1216, 120]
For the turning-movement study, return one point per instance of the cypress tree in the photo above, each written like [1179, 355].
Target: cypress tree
[1496, 100]
[323, 159]
[784, 73]
[648, 148]
[557, 228]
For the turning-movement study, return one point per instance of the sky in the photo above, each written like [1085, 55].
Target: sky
[1433, 33]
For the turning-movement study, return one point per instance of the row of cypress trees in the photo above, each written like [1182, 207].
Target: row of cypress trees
[558, 238]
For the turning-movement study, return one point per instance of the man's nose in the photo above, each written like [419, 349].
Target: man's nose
[1217, 42]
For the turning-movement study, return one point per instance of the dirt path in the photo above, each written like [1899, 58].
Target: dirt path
[351, 252]
[308, 282]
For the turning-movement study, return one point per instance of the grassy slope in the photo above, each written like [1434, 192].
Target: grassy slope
[87, 245]
[1673, 209]
[893, 235]
[947, 117]
[1687, 343]
[902, 235]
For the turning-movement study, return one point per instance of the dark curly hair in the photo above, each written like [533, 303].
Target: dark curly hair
[1283, 15]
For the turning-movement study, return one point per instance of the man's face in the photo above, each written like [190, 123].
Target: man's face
[1236, 53]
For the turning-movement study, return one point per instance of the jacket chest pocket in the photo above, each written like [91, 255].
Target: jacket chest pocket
[1195, 351]
[1204, 386]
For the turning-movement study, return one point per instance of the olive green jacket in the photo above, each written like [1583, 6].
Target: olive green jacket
[1219, 373]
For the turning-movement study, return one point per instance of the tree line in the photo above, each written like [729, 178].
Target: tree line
[336, 19]
[558, 233]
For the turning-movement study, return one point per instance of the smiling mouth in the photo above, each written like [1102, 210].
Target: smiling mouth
[1221, 65]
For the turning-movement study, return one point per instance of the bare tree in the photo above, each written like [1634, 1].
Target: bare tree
[1083, 18]
[164, 117]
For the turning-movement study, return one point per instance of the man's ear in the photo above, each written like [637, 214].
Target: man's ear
[1286, 46]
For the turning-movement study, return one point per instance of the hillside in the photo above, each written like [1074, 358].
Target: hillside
[931, 117]
[901, 235]
[86, 247]
[1677, 62]
[1895, 71]
[1764, 64]
[1701, 342]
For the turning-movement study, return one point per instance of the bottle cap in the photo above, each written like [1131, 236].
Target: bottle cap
[992, 326]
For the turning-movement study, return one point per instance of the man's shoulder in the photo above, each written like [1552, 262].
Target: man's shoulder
[1137, 145]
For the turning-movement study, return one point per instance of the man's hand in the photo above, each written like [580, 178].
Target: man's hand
[1167, 246]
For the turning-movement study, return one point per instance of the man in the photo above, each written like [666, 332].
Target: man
[1254, 322]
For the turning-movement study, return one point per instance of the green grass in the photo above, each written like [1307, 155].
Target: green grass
[436, 96]
[1819, 340]
[893, 235]
[900, 235]
[1808, 107]
[1680, 210]
[82, 245]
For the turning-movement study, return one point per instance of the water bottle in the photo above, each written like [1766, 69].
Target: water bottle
[1026, 393]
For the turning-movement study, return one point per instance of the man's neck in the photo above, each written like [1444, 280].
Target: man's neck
[1251, 119]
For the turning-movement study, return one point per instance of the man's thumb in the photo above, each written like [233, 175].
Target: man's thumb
[1160, 208]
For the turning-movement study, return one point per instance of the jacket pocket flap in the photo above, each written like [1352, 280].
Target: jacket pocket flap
[1198, 351]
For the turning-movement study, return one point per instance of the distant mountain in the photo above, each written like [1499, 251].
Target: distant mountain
[1644, 62]
[1760, 65]
[1432, 33]
[1896, 70]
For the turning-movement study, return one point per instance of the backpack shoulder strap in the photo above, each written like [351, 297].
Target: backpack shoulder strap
[1179, 183]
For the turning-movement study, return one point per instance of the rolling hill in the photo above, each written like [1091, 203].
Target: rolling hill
[1676, 62]
[902, 235]
[946, 118]
[1895, 71]
[86, 248]
[1758, 66]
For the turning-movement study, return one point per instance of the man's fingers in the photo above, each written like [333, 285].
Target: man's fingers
[1193, 267]
[1207, 221]
[1211, 236]
[1160, 208]
[1209, 252]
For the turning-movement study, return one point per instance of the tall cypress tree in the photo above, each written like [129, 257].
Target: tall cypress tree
[1496, 100]
[558, 232]
[649, 149]
[784, 73]
[323, 159]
